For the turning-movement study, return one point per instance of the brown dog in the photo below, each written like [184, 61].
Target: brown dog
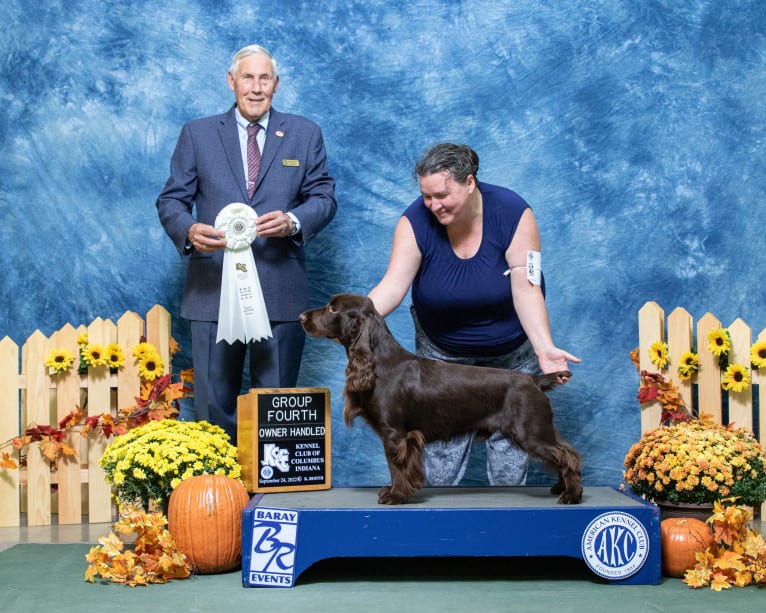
[409, 401]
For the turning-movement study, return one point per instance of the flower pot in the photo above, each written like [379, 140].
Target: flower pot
[684, 509]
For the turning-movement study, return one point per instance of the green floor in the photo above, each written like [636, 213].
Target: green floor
[49, 577]
[42, 569]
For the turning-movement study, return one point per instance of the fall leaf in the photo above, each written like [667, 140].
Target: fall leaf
[72, 419]
[729, 560]
[719, 582]
[50, 449]
[753, 545]
[7, 461]
[743, 578]
[647, 394]
[67, 450]
[697, 577]
[21, 441]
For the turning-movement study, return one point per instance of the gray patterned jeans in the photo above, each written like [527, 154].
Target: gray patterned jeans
[445, 462]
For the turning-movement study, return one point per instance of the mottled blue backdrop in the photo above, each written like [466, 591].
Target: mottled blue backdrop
[634, 129]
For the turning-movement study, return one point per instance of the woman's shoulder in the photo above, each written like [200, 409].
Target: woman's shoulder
[502, 196]
[417, 211]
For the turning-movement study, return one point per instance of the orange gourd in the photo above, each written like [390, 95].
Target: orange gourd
[681, 538]
[205, 521]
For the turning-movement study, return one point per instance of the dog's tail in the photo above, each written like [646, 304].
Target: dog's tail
[551, 380]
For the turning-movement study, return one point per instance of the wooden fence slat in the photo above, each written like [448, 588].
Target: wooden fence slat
[10, 509]
[67, 398]
[37, 411]
[760, 380]
[651, 328]
[680, 340]
[130, 329]
[741, 403]
[158, 332]
[100, 332]
[709, 375]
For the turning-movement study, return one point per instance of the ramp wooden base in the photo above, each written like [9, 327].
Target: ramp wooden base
[616, 534]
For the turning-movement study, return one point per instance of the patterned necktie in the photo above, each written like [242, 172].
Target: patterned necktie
[253, 157]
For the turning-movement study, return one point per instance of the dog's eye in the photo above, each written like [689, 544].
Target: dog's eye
[331, 308]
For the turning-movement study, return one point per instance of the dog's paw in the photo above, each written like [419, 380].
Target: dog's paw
[387, 496]
[570, 497]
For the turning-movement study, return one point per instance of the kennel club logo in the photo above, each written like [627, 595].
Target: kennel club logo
[615, 545]
[274, 457]
[272, 557]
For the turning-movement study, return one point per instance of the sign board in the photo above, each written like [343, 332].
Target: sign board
[283, 439]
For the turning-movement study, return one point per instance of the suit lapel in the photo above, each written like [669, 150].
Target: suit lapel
[230, 139]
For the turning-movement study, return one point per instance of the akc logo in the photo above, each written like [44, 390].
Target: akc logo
[615, 545]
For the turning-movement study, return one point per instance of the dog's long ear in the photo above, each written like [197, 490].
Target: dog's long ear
[360, 370]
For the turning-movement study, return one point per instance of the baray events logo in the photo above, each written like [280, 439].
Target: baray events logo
[615, 545]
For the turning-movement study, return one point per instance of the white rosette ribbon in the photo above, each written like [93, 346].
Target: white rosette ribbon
[242, 312]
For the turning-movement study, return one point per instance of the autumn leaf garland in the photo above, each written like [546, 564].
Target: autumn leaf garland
[158, 399]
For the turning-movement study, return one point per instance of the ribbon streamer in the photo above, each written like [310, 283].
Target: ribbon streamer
[242, 312]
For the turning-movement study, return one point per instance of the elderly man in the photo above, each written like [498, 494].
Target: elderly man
[276, 163]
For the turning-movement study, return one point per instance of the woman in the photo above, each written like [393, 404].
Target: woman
[456, 246]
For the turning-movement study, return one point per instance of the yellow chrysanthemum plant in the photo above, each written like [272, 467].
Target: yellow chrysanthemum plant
[145, 464]
[697, 462]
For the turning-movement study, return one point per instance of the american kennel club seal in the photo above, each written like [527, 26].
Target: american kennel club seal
[615, 545]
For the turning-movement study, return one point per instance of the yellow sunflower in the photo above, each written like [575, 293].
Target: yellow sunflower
[736, 378]
[115, 358]
[758, 354]
[658, 354]
[94, 355]
[82, 339]
[59, 360]
[150, 366]
[719, 342]
[690, 364]
[142, 350]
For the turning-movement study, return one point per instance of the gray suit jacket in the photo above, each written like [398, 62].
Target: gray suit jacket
[206, 174]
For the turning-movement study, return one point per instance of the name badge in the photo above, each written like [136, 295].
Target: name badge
[290, 163]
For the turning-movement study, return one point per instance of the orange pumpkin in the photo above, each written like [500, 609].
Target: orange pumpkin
[205, 521]
[681, 538]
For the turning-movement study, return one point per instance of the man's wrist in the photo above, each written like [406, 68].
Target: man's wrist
[296, 223]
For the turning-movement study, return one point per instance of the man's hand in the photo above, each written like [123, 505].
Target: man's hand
[205, 238]
[274, 224]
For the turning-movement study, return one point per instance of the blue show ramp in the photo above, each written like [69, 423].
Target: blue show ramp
[616, 534]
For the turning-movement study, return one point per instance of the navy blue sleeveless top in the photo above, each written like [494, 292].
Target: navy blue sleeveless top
[465, 306]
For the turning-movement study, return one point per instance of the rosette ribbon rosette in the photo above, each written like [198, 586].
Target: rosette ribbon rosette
[242, 312]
